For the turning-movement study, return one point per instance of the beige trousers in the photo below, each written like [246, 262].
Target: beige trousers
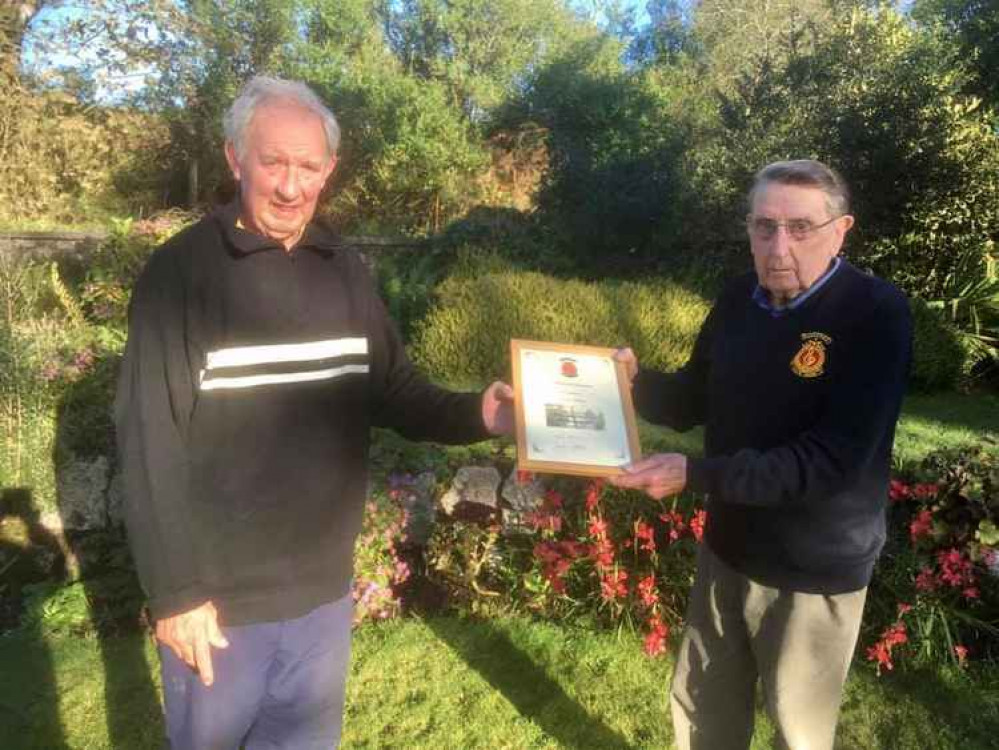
[799, 646]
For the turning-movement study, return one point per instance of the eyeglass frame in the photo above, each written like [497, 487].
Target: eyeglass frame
[778, 224]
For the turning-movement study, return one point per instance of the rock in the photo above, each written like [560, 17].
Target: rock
[473, 493]
[81, 487]
[416, 495]
[523, 498]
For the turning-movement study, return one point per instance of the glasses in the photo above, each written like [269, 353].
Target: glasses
[800, 229]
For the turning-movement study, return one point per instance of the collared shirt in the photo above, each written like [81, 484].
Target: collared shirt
[762, 298]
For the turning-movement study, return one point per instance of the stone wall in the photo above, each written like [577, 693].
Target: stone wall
[49, 245]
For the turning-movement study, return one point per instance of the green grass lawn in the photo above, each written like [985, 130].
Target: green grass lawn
[928, 423]
[452, 683]
[511, 682]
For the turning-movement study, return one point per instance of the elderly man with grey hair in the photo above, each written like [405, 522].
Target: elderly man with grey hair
[797, 375]
[259, 355]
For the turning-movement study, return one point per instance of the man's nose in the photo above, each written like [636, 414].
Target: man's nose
[781, 242]
[289, 185]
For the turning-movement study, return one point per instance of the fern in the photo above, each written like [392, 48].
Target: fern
[65, 296]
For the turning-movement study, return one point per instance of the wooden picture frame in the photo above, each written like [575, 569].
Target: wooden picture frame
[574, 410]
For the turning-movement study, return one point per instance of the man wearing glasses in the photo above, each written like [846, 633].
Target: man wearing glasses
[797, 375]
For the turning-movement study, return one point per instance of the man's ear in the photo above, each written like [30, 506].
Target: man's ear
[230, 157]
[330, 168]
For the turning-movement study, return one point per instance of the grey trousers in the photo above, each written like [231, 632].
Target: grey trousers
[798, 646]
[279, 686]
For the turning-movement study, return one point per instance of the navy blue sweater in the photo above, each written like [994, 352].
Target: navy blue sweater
[250, 381]
[799, 413]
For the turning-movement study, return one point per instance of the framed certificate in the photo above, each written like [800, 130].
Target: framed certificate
[574, 409]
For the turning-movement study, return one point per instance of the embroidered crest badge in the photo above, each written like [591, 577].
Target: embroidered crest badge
[810, 361]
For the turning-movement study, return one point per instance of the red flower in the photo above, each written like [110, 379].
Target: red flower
[614, 585]
[556, 559]
[657, 638]
[602, 553]
[961, 652]
[880, 652]
[955, 569]
[553, 500]
[904, 608]
[921, 526]
[898, 491]
[645, 535]
[925, 491]
[647, 591]
[541, 521]
[593, 493]
[674, 522]
[971, 592]
[598, 527]
[926, 580]
[697, 523]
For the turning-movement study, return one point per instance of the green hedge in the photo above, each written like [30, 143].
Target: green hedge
[939, 359]
[465, 338]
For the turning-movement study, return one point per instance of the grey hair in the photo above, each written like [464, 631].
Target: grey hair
[261, 90]
[806, 173]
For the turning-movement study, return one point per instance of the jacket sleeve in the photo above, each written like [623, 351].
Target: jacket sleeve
[154, 401]
[840, 450]
[404, 400]
[679, 399]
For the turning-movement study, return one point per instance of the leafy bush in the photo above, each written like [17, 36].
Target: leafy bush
[61, 335]
[938, 357]
[613, 557]
[935, 597]
[66, 162]
[378, 568]
[465, 338]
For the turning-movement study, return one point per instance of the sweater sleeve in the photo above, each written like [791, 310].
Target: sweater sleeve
[679, 399]
[155, 397]
[405, 401]
[840, 450]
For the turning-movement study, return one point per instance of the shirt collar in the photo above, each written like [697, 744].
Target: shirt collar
[762, 298]
[318, 235]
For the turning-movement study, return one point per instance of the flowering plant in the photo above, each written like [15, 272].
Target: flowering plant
[943, 562]
[378, 567]
[620, 554]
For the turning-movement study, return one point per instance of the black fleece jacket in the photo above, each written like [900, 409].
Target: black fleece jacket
[799, 413]
[250, 381]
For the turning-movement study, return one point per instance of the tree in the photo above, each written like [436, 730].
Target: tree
[883, 103]
[976, 25]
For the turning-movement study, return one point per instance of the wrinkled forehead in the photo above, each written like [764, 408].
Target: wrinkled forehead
[286, 122]
[779, 200]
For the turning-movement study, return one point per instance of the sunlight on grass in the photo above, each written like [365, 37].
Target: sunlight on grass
[451, 683]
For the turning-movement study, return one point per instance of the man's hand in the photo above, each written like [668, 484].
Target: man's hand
[190, 635]
[630, 361]
[497, 409]
[659, 476]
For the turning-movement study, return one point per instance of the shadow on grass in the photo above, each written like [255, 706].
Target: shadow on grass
[101, 560]
[977, 412]
[921, 709]
[29, 710]
[535, 695]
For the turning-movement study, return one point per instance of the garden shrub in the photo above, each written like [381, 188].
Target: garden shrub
[610, 556]
[938, 357]
[62, 162]
[378, 568]
[61, 337]
[465, 337]
[935, 595]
